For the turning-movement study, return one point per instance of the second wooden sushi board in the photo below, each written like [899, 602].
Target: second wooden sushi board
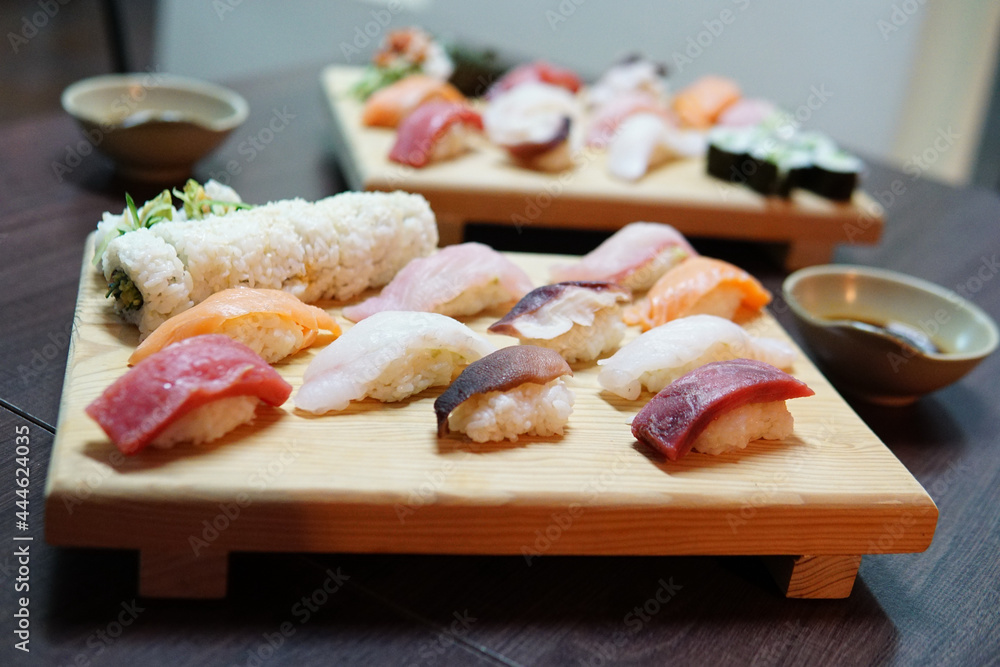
[482, 186]
[376, 478]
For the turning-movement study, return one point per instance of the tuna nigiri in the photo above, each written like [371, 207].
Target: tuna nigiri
[700, 104]
[435, 131]
[195, 390]
[664, 353]
[389, 356]
[539, 71]
[458, 280]
[514, 391]
[272, 323]
[390, 105]
[635, 257]
[699, 285]
[719, 407]
[579, 320]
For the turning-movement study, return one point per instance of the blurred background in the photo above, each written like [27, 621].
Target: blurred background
[913, 83]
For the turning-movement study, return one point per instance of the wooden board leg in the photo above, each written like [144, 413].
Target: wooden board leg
[808, 253]
[181, 574]
[451, 230]
[814, 576]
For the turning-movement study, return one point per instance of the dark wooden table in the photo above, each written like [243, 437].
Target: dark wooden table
[938, 607]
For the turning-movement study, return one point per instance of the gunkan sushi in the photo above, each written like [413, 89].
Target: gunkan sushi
[514, 391]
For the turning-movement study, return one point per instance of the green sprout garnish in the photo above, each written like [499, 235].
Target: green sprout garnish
[197, 204]
[124, 291]
[379, 77]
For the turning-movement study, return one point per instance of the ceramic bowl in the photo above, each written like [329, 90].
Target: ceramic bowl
[154, 126]
[843, 313]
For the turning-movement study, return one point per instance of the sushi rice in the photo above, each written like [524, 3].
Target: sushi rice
[209, 422]
[736, 429]
[529, 409]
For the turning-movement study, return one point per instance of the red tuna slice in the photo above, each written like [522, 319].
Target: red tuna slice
[536, 71]
[675, 417]
[178, 379]
[421, 130]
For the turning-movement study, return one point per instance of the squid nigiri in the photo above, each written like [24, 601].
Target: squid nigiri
[579, 320]
[435, 131]
[514, 391]
[645, 141]
[700, 104]
[458, 280]
[699, 285]
[195, 390]
[272, 323]
[635, 257]
[608, 118]
[540, 72]
[719, 407]
[389, 356]
[390, 105]
[664, 353]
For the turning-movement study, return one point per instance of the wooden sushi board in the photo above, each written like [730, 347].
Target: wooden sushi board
[483, 186]
[376, 479]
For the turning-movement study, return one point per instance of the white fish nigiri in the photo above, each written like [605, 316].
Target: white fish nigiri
[458, 280]
[635, 257]
[646, 140]
[389, 356]
[664, 353]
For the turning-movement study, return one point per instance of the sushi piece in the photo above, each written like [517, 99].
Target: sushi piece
[579, 320]
[536, 72]
[634, 74]
[334, 248]
[389, 356]
[404, 52]
[719, 407]
[664, 353]
[536, 124]
[458, 280]
[390, 105]
[701, 104]
[634, 257]
[746, 112]
[699, 285]
[195, 391]
[833, 174]
[436, 131]
[645, 141]
[608, 118]
[272, 323]
[514, 391]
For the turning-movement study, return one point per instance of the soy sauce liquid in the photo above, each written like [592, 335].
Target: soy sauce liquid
[905, 332]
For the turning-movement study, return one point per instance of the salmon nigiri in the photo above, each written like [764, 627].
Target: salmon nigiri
[272, 323]
[390, 105]
[699, 285]
[700, 104]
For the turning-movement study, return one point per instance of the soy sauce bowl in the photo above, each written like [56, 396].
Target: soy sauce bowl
[843, 311]
[155, 126]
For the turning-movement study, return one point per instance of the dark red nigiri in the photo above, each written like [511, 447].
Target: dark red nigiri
[418, 140]
[673, 419]
[178, 379]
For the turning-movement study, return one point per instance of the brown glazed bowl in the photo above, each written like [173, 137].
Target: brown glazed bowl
[154, 126]
[832, 304]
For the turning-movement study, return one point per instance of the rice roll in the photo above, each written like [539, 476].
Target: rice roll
[719, 407]
[458, 280]
[699, 285]
[661, 355]
[634, 257]
[514, 391]
[272, 323]
[579, 320]
[195, 390]
[388, 356]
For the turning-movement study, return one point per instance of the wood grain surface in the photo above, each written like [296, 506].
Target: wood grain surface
[375, 478]
[484, 186]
